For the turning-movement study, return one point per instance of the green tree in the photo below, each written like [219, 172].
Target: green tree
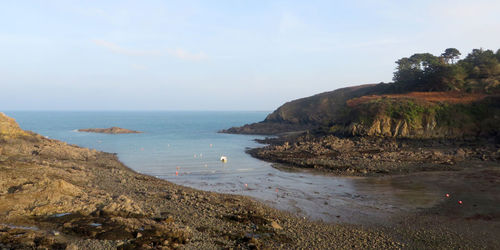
[478, 71]
[481, 63]
[407, 74]
[450, 54]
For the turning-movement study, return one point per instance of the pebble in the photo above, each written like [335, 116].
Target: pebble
[275, 225]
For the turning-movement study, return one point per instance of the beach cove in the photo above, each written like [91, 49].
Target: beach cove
[184, 148]
[388, 204]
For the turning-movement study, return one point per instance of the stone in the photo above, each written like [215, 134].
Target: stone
[275, 225]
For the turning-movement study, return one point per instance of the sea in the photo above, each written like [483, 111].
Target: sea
[185, 147]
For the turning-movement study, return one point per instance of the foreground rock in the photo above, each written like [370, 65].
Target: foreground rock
[112, 130]
[9, 127]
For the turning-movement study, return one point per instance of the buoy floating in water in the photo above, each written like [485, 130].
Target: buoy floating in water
[460, 202]
[246, 185]
[176, 173]
[447, 195]
[223, 159]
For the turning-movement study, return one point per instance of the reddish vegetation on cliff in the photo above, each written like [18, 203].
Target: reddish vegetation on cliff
[453, 97]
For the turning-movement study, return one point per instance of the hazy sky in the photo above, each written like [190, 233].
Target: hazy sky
[218, 55]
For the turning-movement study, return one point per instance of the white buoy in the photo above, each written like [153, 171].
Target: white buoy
[223, 159]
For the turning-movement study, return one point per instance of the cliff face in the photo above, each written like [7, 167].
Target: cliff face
[411, 117]
[389, 127]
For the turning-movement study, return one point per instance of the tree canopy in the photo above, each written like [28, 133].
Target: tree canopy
[479, 71]
[450, 54]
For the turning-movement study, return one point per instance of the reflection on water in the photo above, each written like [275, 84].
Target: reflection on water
[319, 197]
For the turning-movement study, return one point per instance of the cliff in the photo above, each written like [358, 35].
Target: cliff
[372, 110]
[420, 115]
[431, 97]
[321, 108]
[307, 113]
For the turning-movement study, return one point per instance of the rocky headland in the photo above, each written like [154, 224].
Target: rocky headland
[361, 131]
[437, 119]
[112, 130]
[436, 115]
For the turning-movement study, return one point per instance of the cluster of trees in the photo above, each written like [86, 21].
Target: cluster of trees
[478, 71]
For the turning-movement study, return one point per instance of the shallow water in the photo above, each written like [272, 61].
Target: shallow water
[185, 148]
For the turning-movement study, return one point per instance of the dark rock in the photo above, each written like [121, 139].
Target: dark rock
[112, 130]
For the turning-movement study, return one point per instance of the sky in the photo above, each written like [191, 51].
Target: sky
[218, 55]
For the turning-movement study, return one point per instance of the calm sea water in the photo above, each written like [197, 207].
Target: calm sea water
[185, 148]
[186, 142]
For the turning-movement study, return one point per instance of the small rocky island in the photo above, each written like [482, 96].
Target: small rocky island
[112, 130]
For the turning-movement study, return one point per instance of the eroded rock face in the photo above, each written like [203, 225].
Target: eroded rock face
[112, 130]
[399, 128]
[387, 127]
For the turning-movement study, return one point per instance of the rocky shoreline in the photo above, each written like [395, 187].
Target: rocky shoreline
[371, 156]
[59, 196]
